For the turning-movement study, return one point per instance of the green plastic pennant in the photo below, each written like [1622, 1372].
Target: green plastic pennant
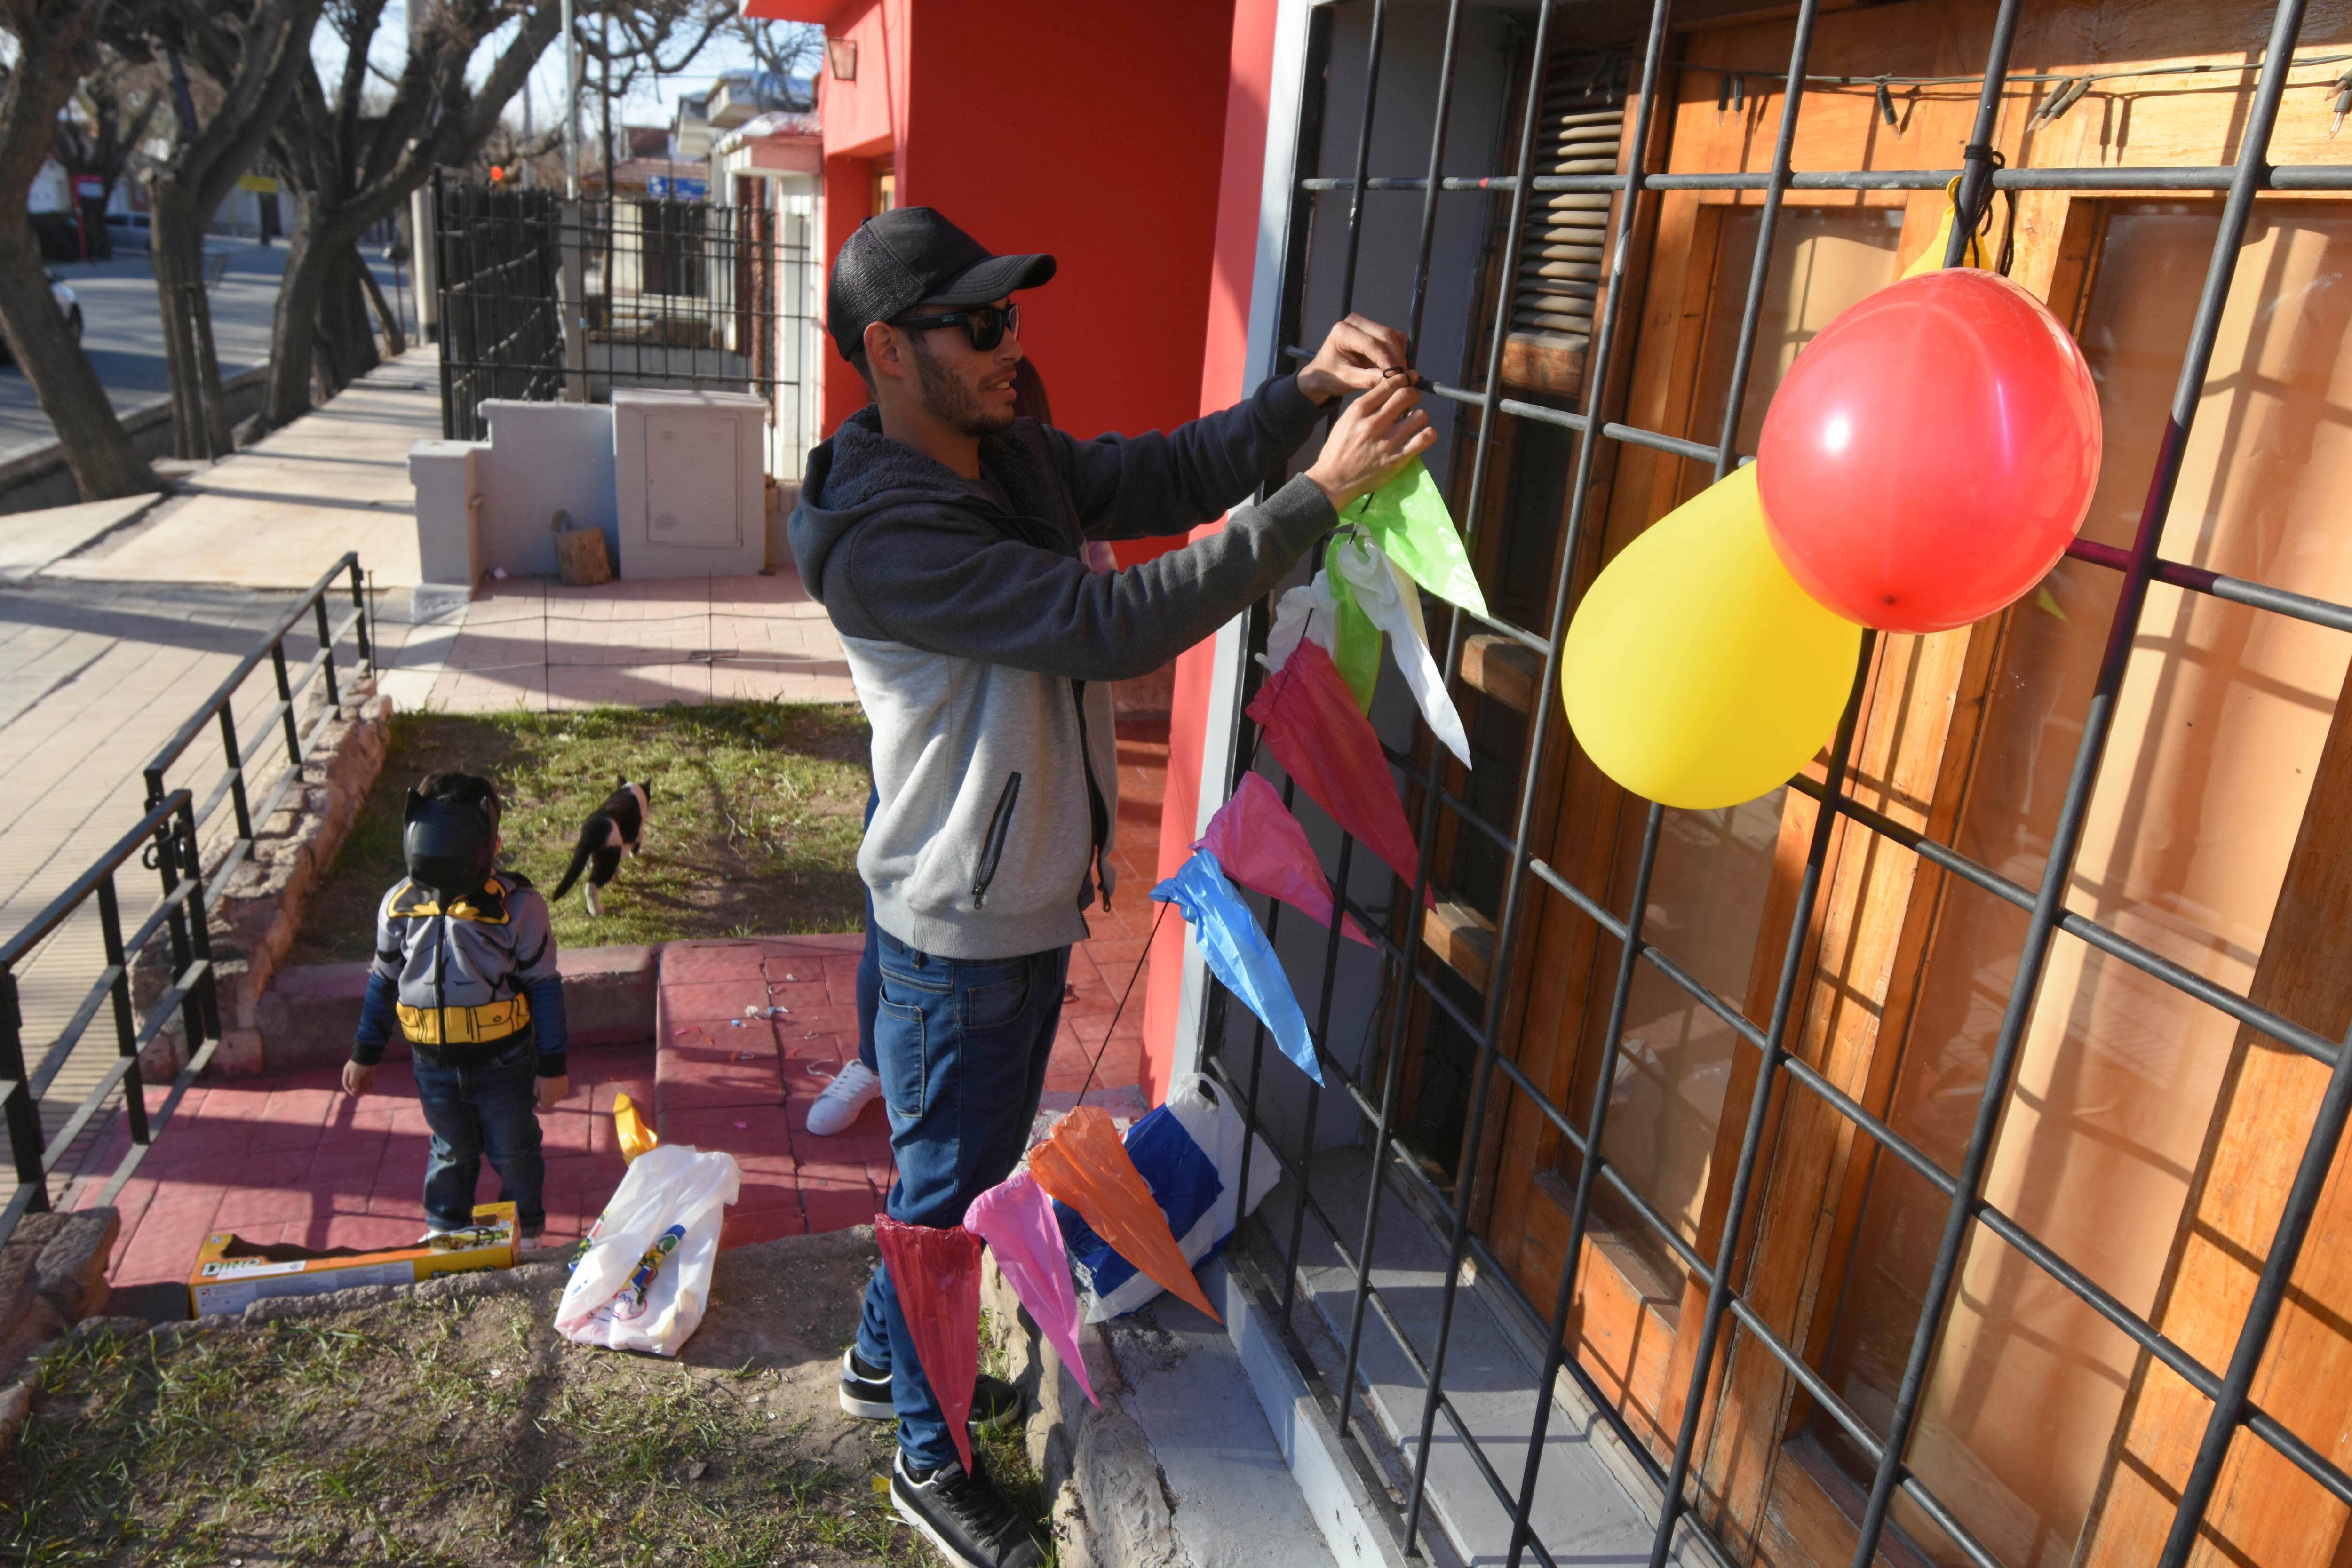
[1355, 643]
[1408, 520]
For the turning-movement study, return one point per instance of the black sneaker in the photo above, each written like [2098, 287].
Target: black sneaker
[866, 1392]
[963, 1518]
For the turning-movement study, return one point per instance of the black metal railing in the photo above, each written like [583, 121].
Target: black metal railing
[166, 840]
[293, 743]
[171, 840]
[687, 295]
[1528, 876]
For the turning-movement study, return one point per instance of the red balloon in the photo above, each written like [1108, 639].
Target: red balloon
[1931, 452]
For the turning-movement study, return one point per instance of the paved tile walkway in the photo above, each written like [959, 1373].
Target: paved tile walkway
[291, 1158]
[532, 643]
[280, 512]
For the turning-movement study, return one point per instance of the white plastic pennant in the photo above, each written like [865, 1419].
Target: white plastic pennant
[1392, 601]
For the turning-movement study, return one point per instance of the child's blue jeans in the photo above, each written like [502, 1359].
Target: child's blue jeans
[488, 1107]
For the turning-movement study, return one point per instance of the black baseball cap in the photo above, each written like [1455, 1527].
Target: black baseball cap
[898, 259]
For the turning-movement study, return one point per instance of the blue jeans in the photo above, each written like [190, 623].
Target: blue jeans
[869, 962]
[487, 1107]
[963, 1048]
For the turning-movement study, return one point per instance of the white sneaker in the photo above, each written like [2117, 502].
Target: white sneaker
[851, 1090]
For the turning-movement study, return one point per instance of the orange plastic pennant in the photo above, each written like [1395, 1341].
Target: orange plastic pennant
[1083, 1163]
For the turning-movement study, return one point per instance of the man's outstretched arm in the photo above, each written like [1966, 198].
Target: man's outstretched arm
[1156, 484]
[951, 583]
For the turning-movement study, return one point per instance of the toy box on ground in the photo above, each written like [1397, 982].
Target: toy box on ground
[231, 1275]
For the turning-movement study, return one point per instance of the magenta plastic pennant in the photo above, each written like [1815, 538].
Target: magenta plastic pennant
[1313, 729]
[1261, 845]
[1016, 1219]
[937, 1276]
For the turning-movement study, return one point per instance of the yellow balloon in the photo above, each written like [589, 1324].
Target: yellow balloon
[1697, 673]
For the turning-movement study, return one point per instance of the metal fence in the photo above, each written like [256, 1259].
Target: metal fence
[690, 295]
[176, 839]
[1527, 877]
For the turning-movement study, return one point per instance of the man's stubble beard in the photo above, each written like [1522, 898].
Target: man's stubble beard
[952, 403]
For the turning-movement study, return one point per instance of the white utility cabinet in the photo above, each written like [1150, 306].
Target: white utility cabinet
[688, 466]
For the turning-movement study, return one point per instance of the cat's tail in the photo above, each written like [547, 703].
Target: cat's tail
[592, 834]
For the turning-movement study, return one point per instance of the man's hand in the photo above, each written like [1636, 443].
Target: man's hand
[554, 1092]
[1377, 436]
[1352, 360]
[358, 1080]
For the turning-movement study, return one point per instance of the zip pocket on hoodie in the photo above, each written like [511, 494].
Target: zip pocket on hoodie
[992, 848]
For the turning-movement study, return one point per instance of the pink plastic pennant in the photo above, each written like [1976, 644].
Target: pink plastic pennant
[937, 1276]
[1016, 1219]
[1312, 726]
[1262, 847]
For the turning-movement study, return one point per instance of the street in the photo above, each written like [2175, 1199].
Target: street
[122, 331]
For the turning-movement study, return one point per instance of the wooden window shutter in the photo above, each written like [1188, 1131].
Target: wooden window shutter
[1561, 255]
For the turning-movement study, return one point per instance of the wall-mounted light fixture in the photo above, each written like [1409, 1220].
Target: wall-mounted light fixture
[841, 54]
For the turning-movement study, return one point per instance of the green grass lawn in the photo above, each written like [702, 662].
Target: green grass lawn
[419, 1435]
[757, 809]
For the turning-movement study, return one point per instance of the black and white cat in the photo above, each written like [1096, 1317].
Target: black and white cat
[617, 825]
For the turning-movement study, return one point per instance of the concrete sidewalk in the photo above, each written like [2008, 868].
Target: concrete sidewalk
[280, 513]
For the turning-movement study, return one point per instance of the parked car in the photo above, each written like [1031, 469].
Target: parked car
[129, 229]
[68, 302]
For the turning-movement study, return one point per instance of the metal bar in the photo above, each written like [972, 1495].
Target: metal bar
[358, 620]
[180, 1083]
[2098, 718]
[24, 1116]
[227, 688]
[2237, 590]
[2113, 180]
[16, 948]
[1373, 48]
[326, 655]
[109, 923]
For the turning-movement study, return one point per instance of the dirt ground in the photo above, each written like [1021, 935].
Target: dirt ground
[758, 810]
[464, 1431]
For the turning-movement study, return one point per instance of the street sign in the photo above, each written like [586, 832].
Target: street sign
[259, 184]
[662, 187]
[88, 187]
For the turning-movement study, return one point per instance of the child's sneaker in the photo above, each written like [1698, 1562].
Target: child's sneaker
[852, 1090]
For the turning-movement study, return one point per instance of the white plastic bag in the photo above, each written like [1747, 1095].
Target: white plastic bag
[1391, 601]
[1178, 1170]
[644, 1280]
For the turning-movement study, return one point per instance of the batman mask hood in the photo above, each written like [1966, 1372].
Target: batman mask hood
[449, 845]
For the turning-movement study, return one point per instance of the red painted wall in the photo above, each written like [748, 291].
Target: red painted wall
[1225, 375]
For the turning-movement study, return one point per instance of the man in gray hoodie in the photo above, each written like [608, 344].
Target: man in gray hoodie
[946, 539]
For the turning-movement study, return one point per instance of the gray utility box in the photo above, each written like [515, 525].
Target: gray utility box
[692, 503]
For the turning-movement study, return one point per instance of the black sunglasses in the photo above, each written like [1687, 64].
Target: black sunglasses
[986, 323]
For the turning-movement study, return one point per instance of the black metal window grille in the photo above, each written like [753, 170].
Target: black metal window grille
[692, 295]
[1374, 1106]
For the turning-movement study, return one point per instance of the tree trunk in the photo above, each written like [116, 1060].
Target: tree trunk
[294, 324]
[176, 251]
[99, 453]
[396, 341]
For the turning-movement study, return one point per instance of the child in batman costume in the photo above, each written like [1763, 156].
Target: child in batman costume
[464, 966]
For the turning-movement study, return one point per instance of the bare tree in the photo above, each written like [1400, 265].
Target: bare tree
[787, 54]
[108, 119]
[232, 65]
[56, 47]
[351, 169]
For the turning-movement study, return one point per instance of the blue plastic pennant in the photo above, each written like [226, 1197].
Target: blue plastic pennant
[1237, 954]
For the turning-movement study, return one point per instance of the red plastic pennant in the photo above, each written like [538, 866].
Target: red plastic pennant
[937, 1276]
[1261, 845]
[1314, 730]
[1083, 1163]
